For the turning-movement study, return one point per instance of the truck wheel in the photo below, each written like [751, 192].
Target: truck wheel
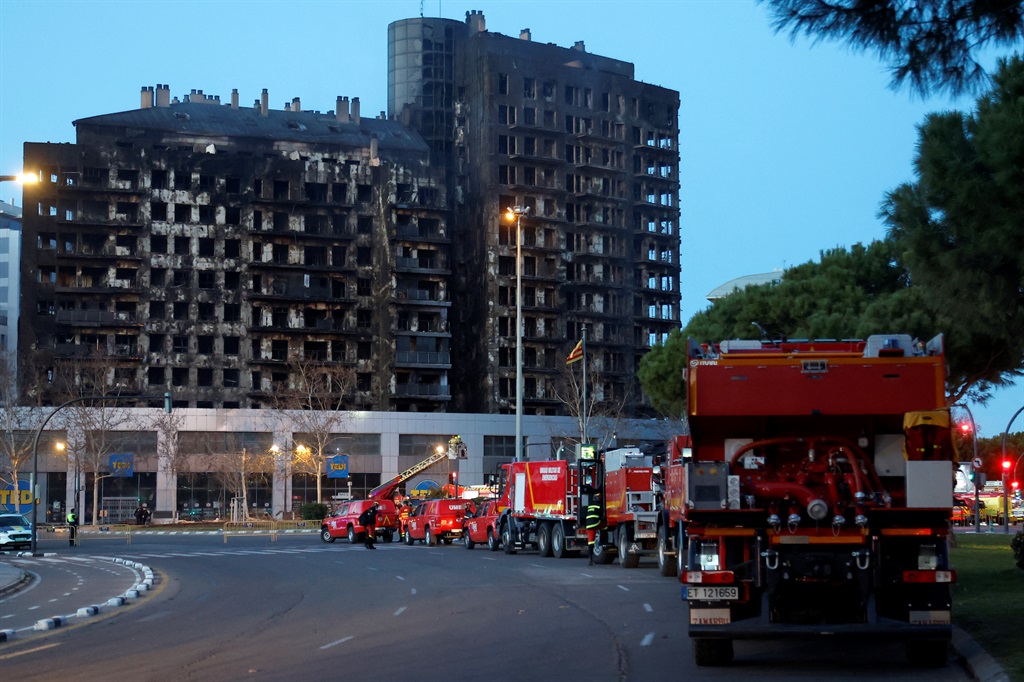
[680, 552]
[712, 652]
[544, 540]
[492, 541]
[325, 534]
[428, 538]
[466, 540]
[927, 653]
[388, 536]
[558, 549]
[408, 537]
[666, 562]
[626, 560]
[352, 537]
[506, 540]
[600, 553]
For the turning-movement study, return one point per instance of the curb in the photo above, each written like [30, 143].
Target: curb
[979, 663]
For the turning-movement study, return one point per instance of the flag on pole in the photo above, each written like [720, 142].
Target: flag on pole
[576, 354]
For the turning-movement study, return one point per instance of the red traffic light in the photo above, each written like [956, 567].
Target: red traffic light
[965, 428]
[1006, 465]
[1015, 485]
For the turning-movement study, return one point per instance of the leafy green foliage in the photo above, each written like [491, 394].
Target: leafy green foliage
[1017, 545]
[959, 229]
[931, 45]
[314, 510]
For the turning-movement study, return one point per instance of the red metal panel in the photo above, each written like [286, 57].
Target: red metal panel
[849, 386]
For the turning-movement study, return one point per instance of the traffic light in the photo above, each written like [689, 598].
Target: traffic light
[452, 477]
[965, 428]
[1006, 465]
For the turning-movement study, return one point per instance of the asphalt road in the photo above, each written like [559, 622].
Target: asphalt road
[299, 609]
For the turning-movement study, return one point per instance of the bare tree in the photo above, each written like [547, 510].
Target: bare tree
[170, 458]
[241, 467]
[601, 408]
[93, 427]
[312, 406]
[18, 424]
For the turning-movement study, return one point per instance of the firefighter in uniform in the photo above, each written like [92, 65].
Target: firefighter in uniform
[72, 527]
[592, 521]
[368, 520]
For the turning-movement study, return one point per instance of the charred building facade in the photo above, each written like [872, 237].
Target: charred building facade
[208, 249]
[592, 155]
[205, 248]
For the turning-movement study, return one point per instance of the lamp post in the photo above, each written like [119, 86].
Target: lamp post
[1006, 495]
[516, 213]
[35, 447]
[20, 178]
[977, 495]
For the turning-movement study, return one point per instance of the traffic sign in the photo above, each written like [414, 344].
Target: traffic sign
[977, 463]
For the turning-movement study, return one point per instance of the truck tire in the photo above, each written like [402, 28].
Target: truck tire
[492, 541]
[408, 537]
[466, 540]
[600, 553]
[544, 539]
[428, 538]
[626, 560]
[666, 562]
[680, 552]
[325, 534]
[927, 653]
[558, 548]
[389, 536]
[352, 537]
[712, 652]
[506, 540]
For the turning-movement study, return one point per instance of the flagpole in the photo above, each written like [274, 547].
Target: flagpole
[585, 441]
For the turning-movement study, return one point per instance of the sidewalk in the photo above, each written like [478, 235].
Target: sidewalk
[11, 578]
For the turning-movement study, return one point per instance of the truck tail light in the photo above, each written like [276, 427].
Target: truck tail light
[929, 577]
[710, 577]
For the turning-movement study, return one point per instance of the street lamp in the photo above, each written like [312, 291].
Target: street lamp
[20, 178]
[977, 493]
[516, 213]
[1006, 495]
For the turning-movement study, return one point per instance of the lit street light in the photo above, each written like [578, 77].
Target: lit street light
[20, 178]
[516, 213]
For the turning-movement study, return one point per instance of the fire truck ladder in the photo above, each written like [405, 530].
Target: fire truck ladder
[385, 488]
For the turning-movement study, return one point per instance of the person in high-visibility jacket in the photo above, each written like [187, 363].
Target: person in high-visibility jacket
[592, 521]
[72, 526]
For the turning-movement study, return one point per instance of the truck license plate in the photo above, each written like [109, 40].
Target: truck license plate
[705, 593]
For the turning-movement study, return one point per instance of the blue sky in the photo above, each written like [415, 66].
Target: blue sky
[786, 148]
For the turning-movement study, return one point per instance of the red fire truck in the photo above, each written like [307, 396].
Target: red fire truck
[816, 499]
[546, 501]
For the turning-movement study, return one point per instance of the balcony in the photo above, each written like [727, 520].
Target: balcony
[431, 359]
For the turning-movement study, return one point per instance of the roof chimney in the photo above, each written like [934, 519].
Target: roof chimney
[525, 34]
[234, 98]
[264, 102]
[475, 21]
[355, 110]
[579, 46]
[296, 105]
[147, 97]
[163, 95]
[341, 110]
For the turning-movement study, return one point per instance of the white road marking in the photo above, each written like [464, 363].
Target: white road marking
[414, 590]
[586, 575]
[536, 565]
[623, 588]
[337, 642]
[648, 638]
[648, 608]
[399, 611]
[400, 577]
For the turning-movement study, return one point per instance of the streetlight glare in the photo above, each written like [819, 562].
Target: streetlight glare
[20, 178]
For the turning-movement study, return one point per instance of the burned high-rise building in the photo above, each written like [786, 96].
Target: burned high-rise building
[591, 155]
[207, 249]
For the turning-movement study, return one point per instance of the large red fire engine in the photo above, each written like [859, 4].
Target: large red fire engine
[816, 498]
[546, 503]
